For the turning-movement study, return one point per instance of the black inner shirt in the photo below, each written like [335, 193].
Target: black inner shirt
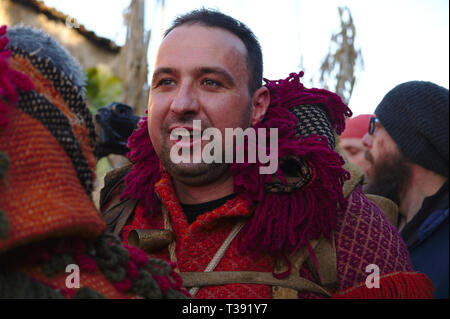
[192, 211]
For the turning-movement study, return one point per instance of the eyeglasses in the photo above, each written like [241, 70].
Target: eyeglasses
[373, 121]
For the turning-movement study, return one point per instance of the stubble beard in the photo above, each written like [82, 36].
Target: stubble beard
[193, 174]
[197, 174]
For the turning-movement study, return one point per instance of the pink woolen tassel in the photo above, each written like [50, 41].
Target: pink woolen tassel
[140, 182]
[285, 221]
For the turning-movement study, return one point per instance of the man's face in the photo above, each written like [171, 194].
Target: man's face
[390, 171]
[200, 74]
[355, 152]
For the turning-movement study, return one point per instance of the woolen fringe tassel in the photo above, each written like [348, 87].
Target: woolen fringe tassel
[401, 285]
[146, 172]
[283, 222]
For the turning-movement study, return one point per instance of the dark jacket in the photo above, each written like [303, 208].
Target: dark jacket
[426, 236]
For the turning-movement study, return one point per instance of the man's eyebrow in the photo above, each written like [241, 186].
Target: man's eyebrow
[220, 71]
[159, 71]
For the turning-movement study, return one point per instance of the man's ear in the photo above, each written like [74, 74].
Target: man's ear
[260, 104]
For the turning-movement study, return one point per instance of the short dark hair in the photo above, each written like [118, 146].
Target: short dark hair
[214, 18]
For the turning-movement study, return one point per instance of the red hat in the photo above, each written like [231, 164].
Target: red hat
[356, 127]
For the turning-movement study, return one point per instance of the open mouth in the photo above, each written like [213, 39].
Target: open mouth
[185, 136]
[180, 133]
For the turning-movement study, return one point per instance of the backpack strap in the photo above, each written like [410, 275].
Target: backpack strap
[285, 288]
[218, 278]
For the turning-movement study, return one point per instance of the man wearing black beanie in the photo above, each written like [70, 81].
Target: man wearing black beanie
[408, 146]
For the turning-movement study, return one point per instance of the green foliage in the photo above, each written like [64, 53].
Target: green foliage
[103, 167]
[102, 87]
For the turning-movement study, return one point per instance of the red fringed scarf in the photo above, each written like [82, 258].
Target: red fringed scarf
[282, 222]
[398, 285]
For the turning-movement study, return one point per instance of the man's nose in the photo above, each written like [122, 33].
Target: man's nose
[367, 140]
[185, 100]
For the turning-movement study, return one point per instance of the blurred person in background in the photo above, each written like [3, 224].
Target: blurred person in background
[408, 146]
[350, 141]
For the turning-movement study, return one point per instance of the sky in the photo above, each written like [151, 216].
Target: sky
[400, 40]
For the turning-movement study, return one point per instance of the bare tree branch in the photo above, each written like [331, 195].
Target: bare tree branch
[343, 62]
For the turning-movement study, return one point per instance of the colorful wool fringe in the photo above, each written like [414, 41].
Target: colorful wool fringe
[284, 222]
[140, 182]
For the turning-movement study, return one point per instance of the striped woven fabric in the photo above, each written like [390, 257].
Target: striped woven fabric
[49, 141]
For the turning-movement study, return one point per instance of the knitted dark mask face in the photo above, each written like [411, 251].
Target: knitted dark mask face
[49, 142]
